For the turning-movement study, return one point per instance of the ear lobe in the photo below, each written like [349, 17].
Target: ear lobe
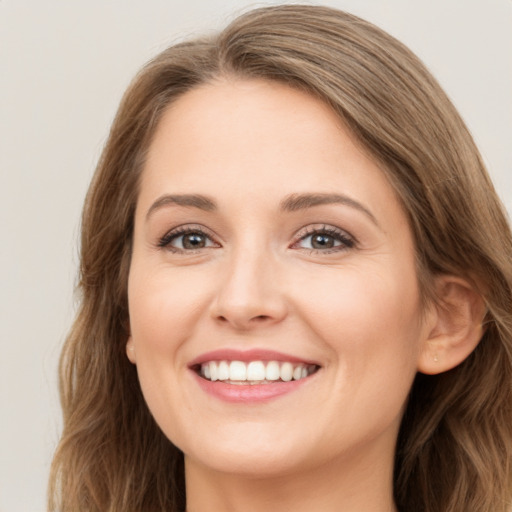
[458, 326]
[130, 350]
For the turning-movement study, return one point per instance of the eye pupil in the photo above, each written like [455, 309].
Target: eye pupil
[194, 241]
[322, 241]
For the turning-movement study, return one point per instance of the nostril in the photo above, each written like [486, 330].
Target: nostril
[260, 318]
[243, 323]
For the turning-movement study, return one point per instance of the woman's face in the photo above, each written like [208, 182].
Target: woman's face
[269, 247]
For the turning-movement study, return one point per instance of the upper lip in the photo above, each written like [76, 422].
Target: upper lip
[229, 354]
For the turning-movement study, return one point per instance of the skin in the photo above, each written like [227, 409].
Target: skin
[354, 309]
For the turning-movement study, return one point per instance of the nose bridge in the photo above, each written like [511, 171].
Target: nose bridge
[248, 293]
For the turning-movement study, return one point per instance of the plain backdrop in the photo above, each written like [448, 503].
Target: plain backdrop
[63, 68]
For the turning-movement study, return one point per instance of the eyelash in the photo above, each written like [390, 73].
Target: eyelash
[346, 240]
[168, 238]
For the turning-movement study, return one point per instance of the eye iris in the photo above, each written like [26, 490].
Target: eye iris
[322, 241]
[194, 241]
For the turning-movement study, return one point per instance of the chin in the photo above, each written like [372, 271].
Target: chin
[252, 457]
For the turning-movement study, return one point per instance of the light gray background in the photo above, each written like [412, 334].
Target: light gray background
[63, 68]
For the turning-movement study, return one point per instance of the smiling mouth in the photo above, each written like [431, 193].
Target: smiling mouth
[254, 372]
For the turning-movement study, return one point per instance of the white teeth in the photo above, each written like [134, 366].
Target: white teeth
[223, 371]
[287, 372]
[255, 372]
[213, 370]
[272, 371]
[237, 370]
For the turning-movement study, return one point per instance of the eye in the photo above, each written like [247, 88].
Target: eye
[187, 239]
[324, 239]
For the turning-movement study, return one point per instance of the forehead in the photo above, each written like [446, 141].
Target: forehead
[248, 138]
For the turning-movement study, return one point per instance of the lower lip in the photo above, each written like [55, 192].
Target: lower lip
[249, 393]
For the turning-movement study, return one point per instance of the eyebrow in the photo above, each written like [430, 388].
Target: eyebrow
[296, 202]
[291, 203]
[189, 200]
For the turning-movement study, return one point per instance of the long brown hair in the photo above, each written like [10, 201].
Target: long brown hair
[454, 449]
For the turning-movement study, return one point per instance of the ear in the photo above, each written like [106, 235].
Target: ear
[130, 350]
[456, 325]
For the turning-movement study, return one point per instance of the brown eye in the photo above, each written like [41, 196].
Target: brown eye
[322, 241]
[185, 240]
[193, 241]
[326, 239]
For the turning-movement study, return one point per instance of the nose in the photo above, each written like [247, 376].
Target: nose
[249, 294]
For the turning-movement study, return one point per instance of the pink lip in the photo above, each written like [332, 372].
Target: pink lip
[246, 356]
[247, 393]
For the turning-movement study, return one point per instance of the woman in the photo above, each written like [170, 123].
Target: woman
[296, 286]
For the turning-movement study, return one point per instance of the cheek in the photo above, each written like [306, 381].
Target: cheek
[365, 298]
[164, 307]
[371, 322]
[369, 318]
[164, 310]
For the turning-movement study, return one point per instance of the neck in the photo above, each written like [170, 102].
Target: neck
[334, 487]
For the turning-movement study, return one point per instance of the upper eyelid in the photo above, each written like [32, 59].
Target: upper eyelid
[322, 228]
[189, 228]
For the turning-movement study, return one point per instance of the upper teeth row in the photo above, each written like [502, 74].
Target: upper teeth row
[255, 371]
